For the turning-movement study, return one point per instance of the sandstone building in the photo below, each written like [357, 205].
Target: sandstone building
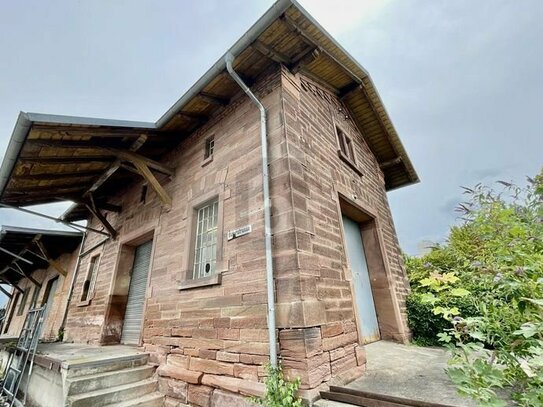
[175, 261]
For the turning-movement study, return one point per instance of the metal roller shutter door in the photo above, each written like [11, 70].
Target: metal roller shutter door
[133, 316]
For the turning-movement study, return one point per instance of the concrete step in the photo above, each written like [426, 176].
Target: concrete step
[85, 384]
[114, 395]
[149, 400]
[90, 366]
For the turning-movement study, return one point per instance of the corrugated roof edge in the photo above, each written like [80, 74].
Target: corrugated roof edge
[25, 122]
[32, 231]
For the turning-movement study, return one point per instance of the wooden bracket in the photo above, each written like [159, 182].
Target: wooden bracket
[25, 274]
[48, 258]
[103, 220]
[146, 173]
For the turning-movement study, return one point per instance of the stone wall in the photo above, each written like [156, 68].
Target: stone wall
[314, 291]
[55, 316]
[212, 342]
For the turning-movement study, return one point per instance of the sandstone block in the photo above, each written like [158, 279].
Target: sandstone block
[211, 366]
[179, 373]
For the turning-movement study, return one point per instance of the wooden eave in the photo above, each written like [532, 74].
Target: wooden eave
[285, 35]
[25, 244]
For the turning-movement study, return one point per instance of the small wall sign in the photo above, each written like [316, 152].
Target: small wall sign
[244, 230]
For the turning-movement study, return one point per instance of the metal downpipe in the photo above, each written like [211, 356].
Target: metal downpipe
[229, 58]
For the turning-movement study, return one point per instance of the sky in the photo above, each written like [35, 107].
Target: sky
[460, 79]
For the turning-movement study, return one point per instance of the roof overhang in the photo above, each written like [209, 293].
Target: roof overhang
[25, 250]
[52, 158]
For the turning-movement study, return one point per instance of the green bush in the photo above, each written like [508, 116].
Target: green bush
[425, 325]
[482, 294]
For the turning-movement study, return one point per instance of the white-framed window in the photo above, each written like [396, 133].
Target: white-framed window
[205, 240]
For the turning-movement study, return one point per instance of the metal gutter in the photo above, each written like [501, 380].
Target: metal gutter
[229, 59]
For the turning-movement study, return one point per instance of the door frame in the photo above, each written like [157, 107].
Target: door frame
[118, 290]
[387, 308]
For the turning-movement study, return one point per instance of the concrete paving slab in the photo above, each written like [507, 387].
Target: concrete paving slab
[409, 371]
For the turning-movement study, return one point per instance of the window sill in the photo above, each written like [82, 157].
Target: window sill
[350, 163]
[200, 282]
[83, 303]
[207, 160]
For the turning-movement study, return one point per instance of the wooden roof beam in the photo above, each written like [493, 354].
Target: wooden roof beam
[56, 176]
[125, 155]
[348, 89]
[116, 165]
[146, 173]
[390, 163]
[72, 186]
[68, 160]
[16, 256]
[309, 56]
[198, 117]
[90, 205]
[214, 99]
[271, 53]
[26, 275]
[49, 259]
[91, 131]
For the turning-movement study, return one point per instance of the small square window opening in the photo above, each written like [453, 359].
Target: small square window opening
[143, 196]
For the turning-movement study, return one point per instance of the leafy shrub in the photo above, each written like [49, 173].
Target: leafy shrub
[280, 392]
[426, 325]
[486, 284]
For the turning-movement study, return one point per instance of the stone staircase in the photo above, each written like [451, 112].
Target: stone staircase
[126, 381]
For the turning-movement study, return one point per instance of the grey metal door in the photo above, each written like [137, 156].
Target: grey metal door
[133, 316]
[367, 317]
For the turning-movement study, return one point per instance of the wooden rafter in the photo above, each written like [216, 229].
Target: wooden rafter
[198, 117]
[55, 176]
[17, 256]
[214, 99]
[125, 155]
[116, 165]
[271, 53]
[69, 160]
[49, 259]
[90, 131]
[390, 163]
[25, 274]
